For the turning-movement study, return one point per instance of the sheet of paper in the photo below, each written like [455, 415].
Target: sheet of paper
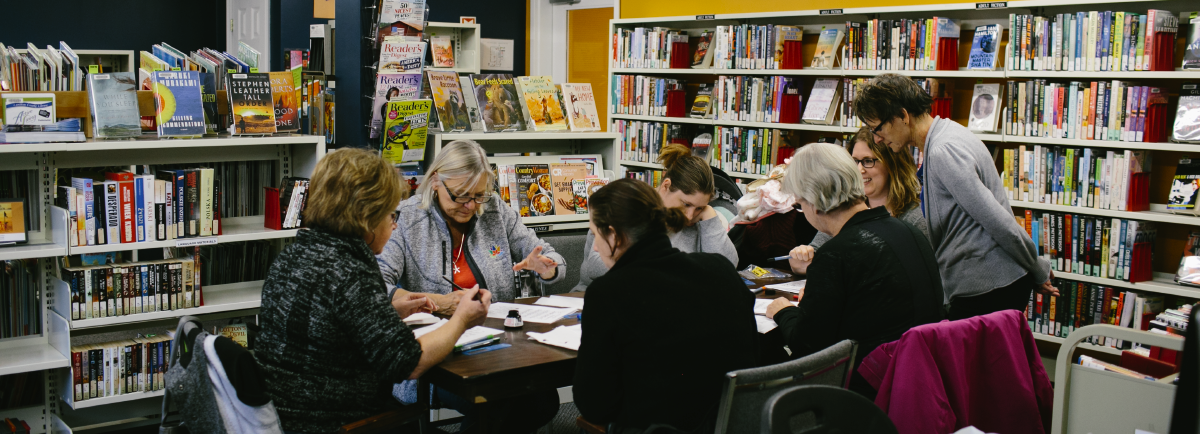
[420, 318]
[529, 312]
[560, 301]
[472, 334]
[792, 287]
[760, 305]
[567, 337]
[764, 324]
[496, 54]
[425, 330]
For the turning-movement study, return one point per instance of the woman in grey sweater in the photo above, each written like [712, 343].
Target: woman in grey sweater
[687, 184]
[988, 262]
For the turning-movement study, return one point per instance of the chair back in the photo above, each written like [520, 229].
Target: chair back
[834, 410]
[1185, 411]
[747, 390]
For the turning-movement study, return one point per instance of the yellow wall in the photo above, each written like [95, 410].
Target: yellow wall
[670, 8]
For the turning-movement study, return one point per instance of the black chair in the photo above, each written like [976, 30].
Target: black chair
[1185, 412]
[834, 410]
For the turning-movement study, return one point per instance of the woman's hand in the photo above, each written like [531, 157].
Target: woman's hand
[776, 306]
[410, 303]
[1047, 288]
[704, 214]
[800, 257]
[542, 265]
[470, 311]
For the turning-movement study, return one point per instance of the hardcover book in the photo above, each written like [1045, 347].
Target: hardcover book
[443, 51]
[208, 97]
[984, 46]
[283, 92]
[825, 97]
[541, 103]
[396, 56]
[1184, 186]
[449, 100]
[1187, 115]
[499, 105]
[114, 105]
[179, 111]
[392, 87]
[985, 104]
[533, 190]
[472, 105]
[580, 104]
[828, 45]
[562, 177]
[250, 103]
[406, 126]
[702, 106]
[1191, 52]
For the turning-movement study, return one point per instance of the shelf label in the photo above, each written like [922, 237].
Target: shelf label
[93, 69]
[992, 5]
[543, 228]
[705, 17]
[831, 11]
[191, 242]
[176, 68]
[231, 71]
[254, 70]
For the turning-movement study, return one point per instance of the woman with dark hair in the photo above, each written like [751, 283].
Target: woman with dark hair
[663, 326]
[988, 263]
[689, 186]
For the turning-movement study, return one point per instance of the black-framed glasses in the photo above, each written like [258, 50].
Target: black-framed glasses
[396, 216]
[877, 128]
[465, 199]
[866, 163]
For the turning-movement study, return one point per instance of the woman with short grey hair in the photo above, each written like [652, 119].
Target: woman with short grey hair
[875, 279]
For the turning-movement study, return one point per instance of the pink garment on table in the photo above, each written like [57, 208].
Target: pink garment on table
[983, 371]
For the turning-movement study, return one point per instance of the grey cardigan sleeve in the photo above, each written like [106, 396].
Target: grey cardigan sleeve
[714, 239]
[523, 240]
[391, 262]
[592, 266]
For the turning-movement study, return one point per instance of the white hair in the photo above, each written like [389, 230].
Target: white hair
[824, 175]
[460, 159]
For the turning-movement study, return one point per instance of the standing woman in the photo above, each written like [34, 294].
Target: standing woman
[988, 263]
[687, 185]
[663, 326]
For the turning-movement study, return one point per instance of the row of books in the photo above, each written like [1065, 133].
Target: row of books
[110, 290]
[236, 262]
[128, 208]
[758, 99]
[642, 140]
[120, 367]
[1102, 247]
[1093, 41]
[538, 190]
[649, 96]
[20, 309]
[23, 184]
[25, 389]
[657, 47]
[906, 44]
[1080, 304]
[1100, 110]
[49, 70]
[1082, 177]
[654, 177]
[744, 150]
[750, 46]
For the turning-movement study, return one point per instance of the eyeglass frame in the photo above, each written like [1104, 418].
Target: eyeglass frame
[864, 161]
[478, 199]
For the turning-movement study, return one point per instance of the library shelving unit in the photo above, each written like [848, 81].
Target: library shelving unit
[970, 15]
[508, 148]
[465, 40]
[112, 60]
[49, 351]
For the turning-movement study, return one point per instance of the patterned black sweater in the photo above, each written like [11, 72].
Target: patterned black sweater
[331, 344]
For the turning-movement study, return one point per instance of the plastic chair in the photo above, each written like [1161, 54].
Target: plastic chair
[835, 411]
[747, 390]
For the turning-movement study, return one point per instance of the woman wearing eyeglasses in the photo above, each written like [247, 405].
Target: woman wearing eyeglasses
[889, 180]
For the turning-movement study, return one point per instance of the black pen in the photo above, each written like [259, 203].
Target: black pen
[455, 285]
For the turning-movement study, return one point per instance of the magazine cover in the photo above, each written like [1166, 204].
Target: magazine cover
[250, 103]
[1187, 116]
[563, 176]
[406, 126]
[541, 103]
[984, 108]
[449, 101]
[443, 51]
[283, 91]
[409, 12]
[396, 56]
[114, 105]
[499, 106]
[533, 190]
[581, 107]
[179, 110]
[389, 87]
[983, 47]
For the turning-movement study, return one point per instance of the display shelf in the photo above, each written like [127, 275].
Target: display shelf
[745, 175]
[713, 71]
[1108, 75]
[125, 397]
[15, 148]
[153, 142]
[641, 164]
[962, 73]
[236, 229]
[526, 135]
[1184, 147]
[465, 42]
[990, 137]
[217, 298]
[783, 126]
[1151, 216]
[1055, 339]
[1162, 284]
[32, 415]
[662, 119]
[29, 354]
[43, 249]
[554, 219]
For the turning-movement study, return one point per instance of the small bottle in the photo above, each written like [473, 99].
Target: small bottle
[513, 319]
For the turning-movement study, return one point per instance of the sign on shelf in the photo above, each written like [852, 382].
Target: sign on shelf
[191, 242]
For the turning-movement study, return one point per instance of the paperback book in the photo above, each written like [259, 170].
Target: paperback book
[984, 108]
[1191, 52]
[392, 87]
[984, 46]
[1184, 186]
[178, 107]
[443, 51]
[208, 96]
[580, 104]
[702, 106]
[1187, 116]
[499, 104]
[541, 103]
[114, 105]
[406, 127]
[449, 101]
[702, 57]
[287, 111]
[827, 49]
[250, 103]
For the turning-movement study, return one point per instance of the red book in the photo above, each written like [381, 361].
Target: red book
[1146, 365]
[125, 184]
[1067, 241]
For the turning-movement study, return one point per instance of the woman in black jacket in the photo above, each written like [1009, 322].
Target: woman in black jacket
[663, 326]
[875, 279]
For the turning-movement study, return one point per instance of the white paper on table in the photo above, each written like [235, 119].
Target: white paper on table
[560, 301]
[529, 312]
[793, 287]
[472, 334]
[760, 305]
[567, 337]
[764, 324]
[420, 318]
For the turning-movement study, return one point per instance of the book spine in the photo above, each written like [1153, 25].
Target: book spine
[192, 203]
[127, 206]
[139, 208]
[206, 202]
[148, 197]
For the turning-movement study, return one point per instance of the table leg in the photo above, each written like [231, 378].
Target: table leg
[423, 424]
[483, 420]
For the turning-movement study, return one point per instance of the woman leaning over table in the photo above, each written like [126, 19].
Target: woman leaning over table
[889, 180]
[456, 228]
[872, 281]
[687, 185]
[331, 344]
[662, 326]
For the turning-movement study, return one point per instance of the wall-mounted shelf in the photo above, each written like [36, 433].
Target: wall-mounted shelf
[465, 40]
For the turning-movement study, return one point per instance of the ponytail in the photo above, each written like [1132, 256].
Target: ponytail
[632, 209]
[687, 172]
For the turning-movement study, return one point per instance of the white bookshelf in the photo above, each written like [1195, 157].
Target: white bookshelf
[1150, 216]
[217, 299]
[465, 40]
[1055, 339]
[235, 230]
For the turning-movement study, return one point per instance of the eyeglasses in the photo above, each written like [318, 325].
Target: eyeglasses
[877, 128]
[396, 216]
[866, 163]
[465, 199]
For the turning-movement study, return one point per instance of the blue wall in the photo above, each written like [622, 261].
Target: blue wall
[114, 24]
[498, 19]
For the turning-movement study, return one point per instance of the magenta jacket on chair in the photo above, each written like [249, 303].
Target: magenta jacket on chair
[983, 371]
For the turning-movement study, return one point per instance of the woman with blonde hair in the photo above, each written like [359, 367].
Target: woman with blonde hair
[331, 344]
[688, 185]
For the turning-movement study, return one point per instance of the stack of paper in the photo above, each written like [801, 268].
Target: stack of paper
[760, 311]
[420, 318]
[471, 335]
[792, 287]
[567, 337]
[560, 301]
[529, 312]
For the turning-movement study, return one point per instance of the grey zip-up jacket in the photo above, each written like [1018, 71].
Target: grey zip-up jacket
[979, 245]
[419, 252]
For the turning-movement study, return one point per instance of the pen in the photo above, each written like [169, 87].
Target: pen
[779, 258]
[482, 339]
[755, 291]
[455, 285]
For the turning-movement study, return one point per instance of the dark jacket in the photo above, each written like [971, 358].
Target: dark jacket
[331, 344]
[660, 331]
[861, 287]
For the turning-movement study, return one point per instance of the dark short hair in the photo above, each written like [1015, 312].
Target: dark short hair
[888, 96]
[631, 209]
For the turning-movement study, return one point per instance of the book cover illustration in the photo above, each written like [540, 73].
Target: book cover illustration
[533, 190]
[247, 54]
[541, 101]
[406, 126]
[984, 104]
[827, 49]
[703, 102]
[784, 34]
[443, 51]
[208, 96]
[409, 12]
[250, 103]
[702, 58]
[114, 105]
[581, 107]
[449, 100]
[396, 56]
[179, 111]
[29, 109]
[1191, 52]
[283, 92]
[1184, 185]
[562, 177]
[1187, 115]
[983, 47]
[12, 222]
[498, 103]
[392, 87]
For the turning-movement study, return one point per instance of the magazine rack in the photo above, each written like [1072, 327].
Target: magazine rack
[1085, 399]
